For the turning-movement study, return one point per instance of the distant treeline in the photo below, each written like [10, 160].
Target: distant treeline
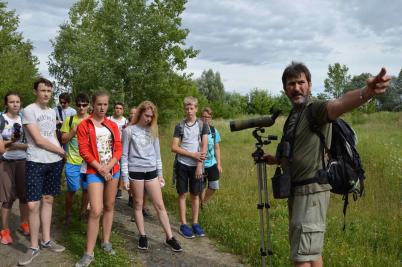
[137, 51]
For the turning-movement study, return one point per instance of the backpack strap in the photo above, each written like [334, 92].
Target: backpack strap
[182, 125]
[70, 122]
[3, 123]
[315, 128]
[213, 132]
[60, 112]
[181, 128]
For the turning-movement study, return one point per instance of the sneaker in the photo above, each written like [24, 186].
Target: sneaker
[186, 231]
[119, 194]
[146, 213]
[198, 230]
[143, 242]
[24, 229]
[174, 244]
[130, 201]
[6, 236]
[85, 260]
[28, 256]
[108, 248]
[52, 246]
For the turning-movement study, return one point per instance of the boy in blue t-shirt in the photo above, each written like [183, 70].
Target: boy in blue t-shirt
[212, 164]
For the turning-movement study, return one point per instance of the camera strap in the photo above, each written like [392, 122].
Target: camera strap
[3, 123]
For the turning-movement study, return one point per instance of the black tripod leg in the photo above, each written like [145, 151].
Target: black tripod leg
[260, 207]
[267, 206]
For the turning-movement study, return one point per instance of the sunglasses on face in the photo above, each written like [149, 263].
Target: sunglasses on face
[82, 105]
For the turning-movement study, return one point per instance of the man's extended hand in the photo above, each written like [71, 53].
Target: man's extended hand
[378, 84]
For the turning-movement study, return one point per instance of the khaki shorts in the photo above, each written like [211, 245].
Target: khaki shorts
[12, 180]
[307, 214]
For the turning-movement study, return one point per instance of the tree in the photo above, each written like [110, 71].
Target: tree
[337, 81]
[392, 99]
[282, 103]
[132, 48]
[360, 81]
[18, 66]
[211, 86]
[260, 102]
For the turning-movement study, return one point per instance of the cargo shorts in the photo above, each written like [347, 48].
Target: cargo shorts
[307, 223]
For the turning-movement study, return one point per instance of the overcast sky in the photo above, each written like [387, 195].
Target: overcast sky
[250, 42]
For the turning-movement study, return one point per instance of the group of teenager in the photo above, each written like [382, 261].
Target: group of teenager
[102, 155]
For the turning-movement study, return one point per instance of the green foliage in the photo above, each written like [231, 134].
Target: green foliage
[322, 96]
[133, 49]
[392, 99]
[18, 66]
[260, 102]
[337, 81]
[211, 86]
[282, 103]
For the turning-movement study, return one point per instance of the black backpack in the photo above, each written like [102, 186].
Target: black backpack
[344, 169]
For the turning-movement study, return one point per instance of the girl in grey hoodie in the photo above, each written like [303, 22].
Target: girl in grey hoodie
[141, 168]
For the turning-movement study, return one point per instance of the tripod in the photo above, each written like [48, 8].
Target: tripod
[263, 201]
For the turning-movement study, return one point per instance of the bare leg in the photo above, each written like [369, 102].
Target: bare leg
[4, 217]
[69, 203]
[84, 201]
[182, 208]
[137, 191]
[154, 189]
[24, 212]
[317, 263]
[46, 216]
[195, 204]
[95, 194]
[34, 222]
[207, 195]
[109, 198]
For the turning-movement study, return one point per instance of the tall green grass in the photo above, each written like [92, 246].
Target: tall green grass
[373, 235]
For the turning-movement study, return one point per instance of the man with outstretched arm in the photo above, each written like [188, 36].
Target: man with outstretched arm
[308, 203]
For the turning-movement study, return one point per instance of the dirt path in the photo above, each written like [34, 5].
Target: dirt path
[197, 252]
[9, 254]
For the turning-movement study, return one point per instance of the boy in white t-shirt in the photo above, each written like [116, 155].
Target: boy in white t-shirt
[43, 168]
[121, 122]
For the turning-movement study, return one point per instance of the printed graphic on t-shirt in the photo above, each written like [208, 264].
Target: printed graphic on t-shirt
[47, 125]
[142, 141]
[104, 144]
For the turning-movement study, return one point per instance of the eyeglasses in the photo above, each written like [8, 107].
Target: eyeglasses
[82, 105]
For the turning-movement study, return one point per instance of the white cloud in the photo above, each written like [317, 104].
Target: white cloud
[251, 42]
